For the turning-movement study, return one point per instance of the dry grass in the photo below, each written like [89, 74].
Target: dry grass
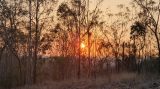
[114, 81]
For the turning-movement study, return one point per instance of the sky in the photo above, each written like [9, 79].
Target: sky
[112, 4]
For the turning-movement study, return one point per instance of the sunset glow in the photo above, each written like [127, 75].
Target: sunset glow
[83, 45]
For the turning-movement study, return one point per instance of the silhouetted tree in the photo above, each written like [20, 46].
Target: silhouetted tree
[150, 15]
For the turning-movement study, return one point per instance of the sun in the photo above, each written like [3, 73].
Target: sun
[83, 45]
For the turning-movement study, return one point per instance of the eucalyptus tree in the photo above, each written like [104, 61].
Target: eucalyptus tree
[13, 38]
[138, 35]
[150, 13]
[115, 31]
[40, 22]
[138, 31]
[29, 47]
[79, 21]
[18, 33]
[69, 17]
[68, 21]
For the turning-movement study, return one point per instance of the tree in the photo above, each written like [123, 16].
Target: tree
[39, 23]
[138, 32]
[79, 25]
[23, 27]
[12, 36]
[151, 13]
[29, 61]
[115, 31]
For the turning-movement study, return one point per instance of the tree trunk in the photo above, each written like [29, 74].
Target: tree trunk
[79, 43]
[36, 44]
[29, 68]
[89, 60]
[158, 44]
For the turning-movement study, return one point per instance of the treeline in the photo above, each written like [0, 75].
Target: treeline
[41, 40]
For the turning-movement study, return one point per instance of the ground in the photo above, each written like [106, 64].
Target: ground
[119, 81]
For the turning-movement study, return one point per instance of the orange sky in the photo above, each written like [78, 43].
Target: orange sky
[112, 4]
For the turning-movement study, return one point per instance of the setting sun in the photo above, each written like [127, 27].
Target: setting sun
[83, 45]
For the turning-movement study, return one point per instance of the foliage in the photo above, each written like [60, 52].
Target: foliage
[138, 29]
